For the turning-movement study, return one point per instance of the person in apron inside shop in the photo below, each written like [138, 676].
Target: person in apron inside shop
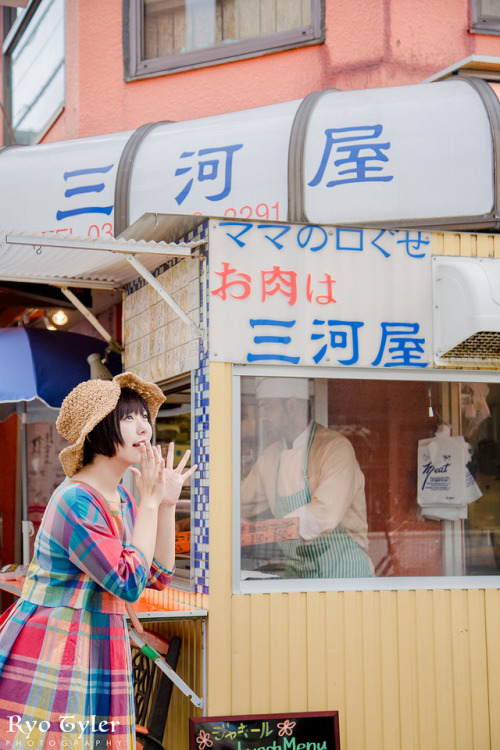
[310, 473]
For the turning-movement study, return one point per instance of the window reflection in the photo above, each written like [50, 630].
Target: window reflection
[37, 78]
[307, 473]
[382, 423]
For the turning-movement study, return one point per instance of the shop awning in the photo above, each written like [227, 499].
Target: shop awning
[80, 261]
[99, 263]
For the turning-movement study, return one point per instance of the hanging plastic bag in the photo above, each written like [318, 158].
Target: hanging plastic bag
[445, 483]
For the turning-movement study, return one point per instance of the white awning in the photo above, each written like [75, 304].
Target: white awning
[101, 263]
[80, 261]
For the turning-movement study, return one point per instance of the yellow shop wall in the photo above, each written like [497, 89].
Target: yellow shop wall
[405, 669]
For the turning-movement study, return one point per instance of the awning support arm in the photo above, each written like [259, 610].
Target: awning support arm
[150, 279]
[115, 345]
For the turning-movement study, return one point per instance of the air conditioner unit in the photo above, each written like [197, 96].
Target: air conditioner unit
[466, 311]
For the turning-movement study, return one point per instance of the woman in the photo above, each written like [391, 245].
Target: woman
[65, 670]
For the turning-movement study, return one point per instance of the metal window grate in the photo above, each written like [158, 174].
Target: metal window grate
[481, 345]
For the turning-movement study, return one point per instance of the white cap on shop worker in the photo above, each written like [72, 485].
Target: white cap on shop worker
[282, 388]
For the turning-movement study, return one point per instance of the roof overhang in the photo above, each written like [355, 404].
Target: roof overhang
[94, 263]
[97, 263]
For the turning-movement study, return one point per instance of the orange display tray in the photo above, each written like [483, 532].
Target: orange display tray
[144, 609]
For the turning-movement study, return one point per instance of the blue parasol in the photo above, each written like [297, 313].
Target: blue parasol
[36, 363]
[38, 368]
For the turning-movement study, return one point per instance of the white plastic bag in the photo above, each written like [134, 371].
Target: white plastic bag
[445, 484]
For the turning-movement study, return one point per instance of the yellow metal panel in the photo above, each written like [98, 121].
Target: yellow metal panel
[389, 677]
[461, 670]
[468, 245]
[451, 244]
[281, 669]
[492, 617]
[426, 669]
[370, 648]
[260, 654]
[441, 626]
[240, 632]
[297, 652]
[485, 246]
[316, 648]
[438, 243]
[478, 668]
[354, 669]
[335, 658]
[407, 656]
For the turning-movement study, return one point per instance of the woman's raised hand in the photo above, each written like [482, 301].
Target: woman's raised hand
[150, 480]
[175, 478]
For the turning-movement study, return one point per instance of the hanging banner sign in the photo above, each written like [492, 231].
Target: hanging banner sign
[319, 296]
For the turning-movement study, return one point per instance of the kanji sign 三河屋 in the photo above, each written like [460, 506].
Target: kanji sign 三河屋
[322, 296]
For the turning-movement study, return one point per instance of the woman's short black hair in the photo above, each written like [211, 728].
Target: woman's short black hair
[107, 435]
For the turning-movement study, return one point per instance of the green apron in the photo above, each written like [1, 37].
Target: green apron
[331, 555]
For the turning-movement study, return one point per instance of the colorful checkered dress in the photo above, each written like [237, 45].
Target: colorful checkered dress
[65, 671]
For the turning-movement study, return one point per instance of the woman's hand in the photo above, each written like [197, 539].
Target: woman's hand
[174, 478]
[150, 480]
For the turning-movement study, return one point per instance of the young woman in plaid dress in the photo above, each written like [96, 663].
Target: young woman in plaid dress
[65, 670]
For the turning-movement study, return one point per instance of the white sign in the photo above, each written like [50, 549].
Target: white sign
[405, 152]
[314, 295]
[61, 188]
[391, 154]
[229, 165]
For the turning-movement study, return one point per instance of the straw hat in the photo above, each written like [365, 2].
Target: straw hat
[91, 401]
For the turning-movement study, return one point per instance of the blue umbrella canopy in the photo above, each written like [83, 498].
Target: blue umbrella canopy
[38, 368]
[36, 363]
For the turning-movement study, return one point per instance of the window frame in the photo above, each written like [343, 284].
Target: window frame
[135, 67]
[482, 23]
[452, 531]
[13, 36]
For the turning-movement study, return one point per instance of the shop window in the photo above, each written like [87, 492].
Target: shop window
[173, 423]
[486, 16]
[367, 502]
[171, 35]
[34, 69]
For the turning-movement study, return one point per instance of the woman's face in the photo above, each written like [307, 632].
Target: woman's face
[135, 430]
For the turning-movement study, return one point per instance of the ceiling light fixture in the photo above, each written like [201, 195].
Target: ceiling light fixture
[60, 318]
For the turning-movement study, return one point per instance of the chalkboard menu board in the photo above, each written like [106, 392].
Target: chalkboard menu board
[307, 731]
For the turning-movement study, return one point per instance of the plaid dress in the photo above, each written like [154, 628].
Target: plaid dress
[65, 669]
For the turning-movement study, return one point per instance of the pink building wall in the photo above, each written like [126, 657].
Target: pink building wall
[368, 44]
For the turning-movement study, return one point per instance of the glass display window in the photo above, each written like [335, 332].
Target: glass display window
[367, 479]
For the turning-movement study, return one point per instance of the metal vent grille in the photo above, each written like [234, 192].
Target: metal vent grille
[481, 345]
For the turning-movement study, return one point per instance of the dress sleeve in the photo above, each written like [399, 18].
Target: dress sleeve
[96, 549]
[159, 577]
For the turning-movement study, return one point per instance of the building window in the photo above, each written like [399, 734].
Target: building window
[34, 70]
[486, 16]
[171, 35]
[337, 479]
